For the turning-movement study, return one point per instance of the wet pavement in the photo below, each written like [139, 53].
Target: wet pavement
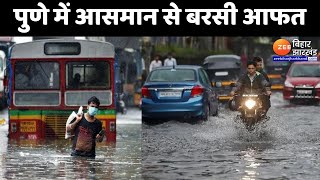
[287, 147]
[50, 159]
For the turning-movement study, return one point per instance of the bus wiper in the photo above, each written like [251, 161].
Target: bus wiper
[42, 69]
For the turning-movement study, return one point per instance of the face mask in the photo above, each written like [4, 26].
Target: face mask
[92, 111]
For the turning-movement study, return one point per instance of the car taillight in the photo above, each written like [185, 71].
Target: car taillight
[196, 91]
[145, 92]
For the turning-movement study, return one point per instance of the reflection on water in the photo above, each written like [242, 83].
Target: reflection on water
[50, 159]
[251, 166]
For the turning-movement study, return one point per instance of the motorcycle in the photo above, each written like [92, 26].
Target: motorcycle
[251, 111]
[121, 105]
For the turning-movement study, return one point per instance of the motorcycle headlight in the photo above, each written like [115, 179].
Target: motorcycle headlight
[250, 103]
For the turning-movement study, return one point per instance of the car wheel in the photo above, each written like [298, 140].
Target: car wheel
[292, 101]
[148, 121]
[216, 113]
[206, 115]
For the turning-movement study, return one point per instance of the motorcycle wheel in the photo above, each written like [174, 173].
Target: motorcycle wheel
[124, 111]
[249, 123]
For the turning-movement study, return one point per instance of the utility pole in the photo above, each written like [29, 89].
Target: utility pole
[147, 49]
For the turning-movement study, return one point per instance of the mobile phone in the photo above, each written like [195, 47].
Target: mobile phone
[101, 133]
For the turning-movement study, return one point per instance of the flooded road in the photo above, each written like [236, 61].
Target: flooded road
[287, 147]
[50, 159]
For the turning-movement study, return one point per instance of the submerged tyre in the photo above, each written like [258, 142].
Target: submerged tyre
[249, 123]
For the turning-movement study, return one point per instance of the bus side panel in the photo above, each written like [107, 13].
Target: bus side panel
[110, 128]
[108, 119]
[37, 124]
[25, 128]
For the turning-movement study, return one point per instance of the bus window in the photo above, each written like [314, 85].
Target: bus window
[92, 75]
[30, 98]
[30, 75]
[2, 60]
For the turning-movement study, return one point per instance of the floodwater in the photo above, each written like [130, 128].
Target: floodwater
[50, 159]
[286, 147]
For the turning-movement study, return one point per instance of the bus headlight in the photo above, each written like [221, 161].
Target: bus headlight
[250, 103]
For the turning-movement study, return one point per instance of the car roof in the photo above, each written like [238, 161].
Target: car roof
[223, 55]
[223, 58]
[222, 61]
[180, 67]
[307, 62]
[212, 58]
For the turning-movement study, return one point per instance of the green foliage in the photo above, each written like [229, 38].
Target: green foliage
[187, 52]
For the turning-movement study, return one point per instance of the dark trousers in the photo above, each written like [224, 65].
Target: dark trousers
[266, 103]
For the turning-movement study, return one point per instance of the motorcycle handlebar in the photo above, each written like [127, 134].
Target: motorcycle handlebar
[251, 95]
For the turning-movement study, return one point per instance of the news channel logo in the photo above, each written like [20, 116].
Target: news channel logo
[296, 50]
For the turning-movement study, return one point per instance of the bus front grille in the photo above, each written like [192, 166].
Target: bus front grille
[56, 126]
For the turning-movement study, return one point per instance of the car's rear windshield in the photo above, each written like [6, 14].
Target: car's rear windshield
[305, 70]
[172, 75]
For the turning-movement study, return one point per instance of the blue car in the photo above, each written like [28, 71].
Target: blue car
[183, 92]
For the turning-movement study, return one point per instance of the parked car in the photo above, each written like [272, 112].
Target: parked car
[276, 72]
[183, 92]
[222, 70]
[302, 82]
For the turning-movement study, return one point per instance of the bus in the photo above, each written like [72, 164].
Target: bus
[3, 99]
[48, 79]
[5, 43]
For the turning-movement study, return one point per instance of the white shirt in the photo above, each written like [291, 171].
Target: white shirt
[143, 67]
[155, 64]
[170, 62]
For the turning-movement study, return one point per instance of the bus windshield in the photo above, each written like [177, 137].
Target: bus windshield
[88, 75]
[31, 75]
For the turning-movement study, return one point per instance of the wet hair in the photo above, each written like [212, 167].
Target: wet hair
[252, 63]
[257, 59]
[94, 100]
[77, 75]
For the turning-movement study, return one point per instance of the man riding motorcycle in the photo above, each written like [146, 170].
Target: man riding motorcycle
[252, 82]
